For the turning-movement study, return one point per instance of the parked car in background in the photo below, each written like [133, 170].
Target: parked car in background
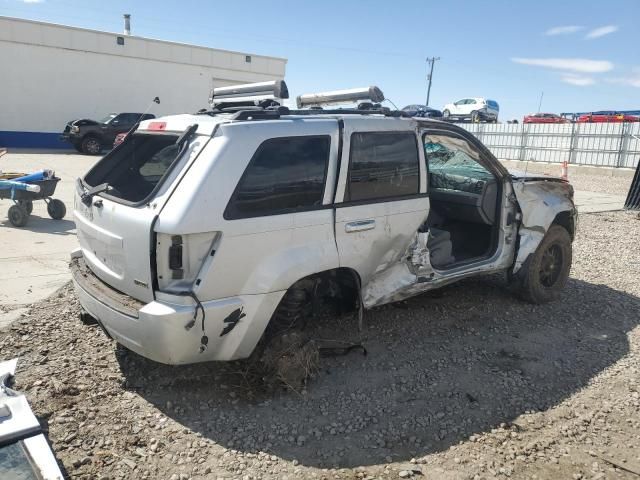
[544, 118]
[422, 111]
[119, 139]
[607, 117]
[475, 109]
[91, 136]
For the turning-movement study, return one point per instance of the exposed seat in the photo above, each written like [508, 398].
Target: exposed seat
[440, 247]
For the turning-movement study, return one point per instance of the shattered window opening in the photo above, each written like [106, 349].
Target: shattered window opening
[449, 155]
[135, 169]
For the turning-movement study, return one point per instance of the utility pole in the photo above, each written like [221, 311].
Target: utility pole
[432, 61]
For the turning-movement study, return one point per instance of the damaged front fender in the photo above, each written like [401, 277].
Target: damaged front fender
[542, 203]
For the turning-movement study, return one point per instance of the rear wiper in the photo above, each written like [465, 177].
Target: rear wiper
[187, 134]
[87, 196]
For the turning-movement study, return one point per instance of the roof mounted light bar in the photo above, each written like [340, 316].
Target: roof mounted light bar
[337, 97]
[249, 93]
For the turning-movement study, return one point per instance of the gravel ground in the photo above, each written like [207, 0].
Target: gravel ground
[589, 179]
[601, 183]
[463, 383]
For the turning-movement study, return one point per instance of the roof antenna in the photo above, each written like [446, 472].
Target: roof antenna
[155, 100]
[394, 105]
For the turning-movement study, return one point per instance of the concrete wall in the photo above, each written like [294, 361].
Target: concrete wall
[52, 74]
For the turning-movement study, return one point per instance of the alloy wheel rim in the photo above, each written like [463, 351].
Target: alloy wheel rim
[551, 266]
[93, 146]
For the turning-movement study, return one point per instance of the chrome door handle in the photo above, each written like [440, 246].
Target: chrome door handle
[360, 226]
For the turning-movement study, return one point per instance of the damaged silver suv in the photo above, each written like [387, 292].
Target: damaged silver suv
[199, 232]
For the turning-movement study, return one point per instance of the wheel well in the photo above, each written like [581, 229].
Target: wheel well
[338, 289]
[344, 282]
[565, 220]
[91, 135]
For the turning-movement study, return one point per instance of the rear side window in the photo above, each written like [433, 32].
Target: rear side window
[383, 165]
[492, 104]
[285, 175]
[136, 167]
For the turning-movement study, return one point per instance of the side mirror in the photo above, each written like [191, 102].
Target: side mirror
[157, 100]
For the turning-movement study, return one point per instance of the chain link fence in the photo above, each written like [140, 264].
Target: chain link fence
[598, 144]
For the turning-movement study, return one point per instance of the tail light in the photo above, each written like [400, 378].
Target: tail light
[181, 259]
[175, 258]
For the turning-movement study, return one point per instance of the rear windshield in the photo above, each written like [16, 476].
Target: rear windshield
[133, 170]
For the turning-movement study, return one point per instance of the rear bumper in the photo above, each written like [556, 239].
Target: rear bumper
[157, 331]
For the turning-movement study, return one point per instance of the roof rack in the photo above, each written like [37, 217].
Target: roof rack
[261, 114]
[260, 101]
[350, 111]
[272, 113]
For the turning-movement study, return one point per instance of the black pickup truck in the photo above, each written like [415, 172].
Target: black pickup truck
[91, 136]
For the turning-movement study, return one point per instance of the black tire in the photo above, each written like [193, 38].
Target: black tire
[475, 117]
[91, 145]
[294, 308]
[446, 113]
[78, 146]
[27, 205]
[545, 276]
[18, 216]
[56, 209]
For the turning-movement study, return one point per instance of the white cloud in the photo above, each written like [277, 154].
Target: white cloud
[32, 1]
[579, 65]
[563, 30]
[632, 80]
[602, 31]
[579, 80]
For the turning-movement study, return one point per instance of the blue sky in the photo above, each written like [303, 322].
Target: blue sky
[583, 54]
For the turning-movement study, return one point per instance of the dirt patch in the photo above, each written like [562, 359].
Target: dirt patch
[465, 382]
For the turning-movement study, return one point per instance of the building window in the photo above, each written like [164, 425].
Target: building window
[285, 175]
[383, 165]
[120, 40]
[247, 58]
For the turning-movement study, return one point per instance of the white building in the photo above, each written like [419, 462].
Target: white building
[53, 73]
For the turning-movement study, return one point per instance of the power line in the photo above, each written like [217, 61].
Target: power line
[432, 61]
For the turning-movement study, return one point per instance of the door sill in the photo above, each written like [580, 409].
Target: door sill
[469, 262]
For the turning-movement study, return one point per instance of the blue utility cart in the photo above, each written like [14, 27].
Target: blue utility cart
[25, 189]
